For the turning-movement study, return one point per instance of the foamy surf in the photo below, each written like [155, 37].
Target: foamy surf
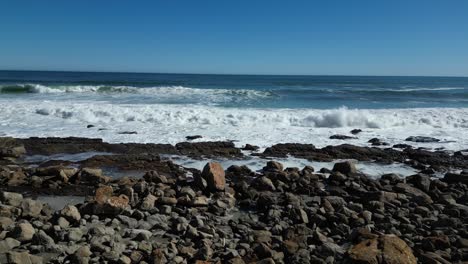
[162, 123]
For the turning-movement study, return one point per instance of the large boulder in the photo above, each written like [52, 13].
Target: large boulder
[213, 175]
[346, 167]
[388, 249]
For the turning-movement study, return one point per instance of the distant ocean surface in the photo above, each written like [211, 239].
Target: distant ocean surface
[255, 109]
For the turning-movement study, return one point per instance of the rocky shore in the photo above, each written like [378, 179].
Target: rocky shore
[173, 214]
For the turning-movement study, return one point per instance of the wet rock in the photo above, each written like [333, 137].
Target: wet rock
[273, 166]
[342, 137]
[422, 139]
[384, 249]
[355, 131]
[249, 147]
[127, 132]
[193, 137]
[214, 176]
[346, 167]
[402, 146]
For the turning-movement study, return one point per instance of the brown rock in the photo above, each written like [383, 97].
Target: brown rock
[388, 249]
[214, 175]
[103, 194]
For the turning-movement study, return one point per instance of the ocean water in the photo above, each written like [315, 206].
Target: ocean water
[260, 110]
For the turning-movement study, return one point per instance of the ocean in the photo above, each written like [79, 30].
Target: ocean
[257, 109]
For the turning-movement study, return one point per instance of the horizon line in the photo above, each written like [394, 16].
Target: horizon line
[250, 74]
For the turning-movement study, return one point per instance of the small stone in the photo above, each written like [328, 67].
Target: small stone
[75, 234]
[71, 213]
[148, 202]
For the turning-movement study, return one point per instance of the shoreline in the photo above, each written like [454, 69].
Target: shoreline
[169, 213]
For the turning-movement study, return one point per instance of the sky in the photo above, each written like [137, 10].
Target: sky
[411, 37]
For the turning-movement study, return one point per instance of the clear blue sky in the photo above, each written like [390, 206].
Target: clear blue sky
[411, 37]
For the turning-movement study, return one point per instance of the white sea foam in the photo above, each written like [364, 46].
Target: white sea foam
[157, 90]
[162, 123]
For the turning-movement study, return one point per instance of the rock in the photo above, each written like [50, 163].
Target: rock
[7, 244]
[19, 258]
[5, 222]
[273, 166]
[422, 139]
[10, 198]
[420, 181]
[23, 232]
[402, 146]
[90, 126]
[71, 213]
[193, 137]
[384, 249]
[342, 137]
[11, 148]
[355, 131]
[148, 202]
[455, 178]
[154, 176]
[31, 208]
[75, 234]
[41, 238]
[214, 176]
[346, 167]
[249, 147]
[127, 132]
[92, 176]
[112, 206]
[103, 193]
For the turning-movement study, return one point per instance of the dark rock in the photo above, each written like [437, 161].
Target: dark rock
[346, 167]
[193, 137]
[356, 131]
[420, 181]
[273, 166]
[422, 139]
[249, 147]
[342, 137]
[127, 132]
[402, 146]
[89, 126]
